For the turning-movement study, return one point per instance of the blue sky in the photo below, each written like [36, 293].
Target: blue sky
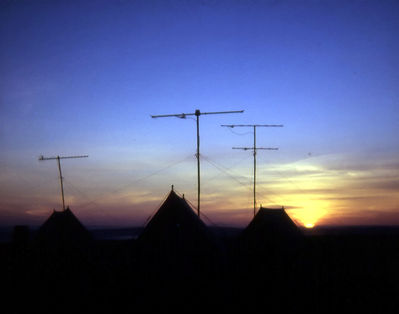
[83, 77]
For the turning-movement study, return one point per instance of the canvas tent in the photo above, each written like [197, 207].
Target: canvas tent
[271, 230]
[174, 233]
[63, 229]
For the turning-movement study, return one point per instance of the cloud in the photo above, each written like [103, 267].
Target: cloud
[362, 165]
[306, 191]
[37, 212]
[347, 198]
[326, 188]
[388, 184]
[365, 217]
[292, 207]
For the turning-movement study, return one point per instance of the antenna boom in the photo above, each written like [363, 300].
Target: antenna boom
[196, 113]
[61, 157]
[264, 148]
[253, 125]
[222, 112]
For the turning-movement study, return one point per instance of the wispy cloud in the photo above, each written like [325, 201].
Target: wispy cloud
[316, 190]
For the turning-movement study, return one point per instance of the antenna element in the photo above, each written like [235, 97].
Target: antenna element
[254, 148]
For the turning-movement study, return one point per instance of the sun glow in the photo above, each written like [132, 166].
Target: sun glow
[309, 213]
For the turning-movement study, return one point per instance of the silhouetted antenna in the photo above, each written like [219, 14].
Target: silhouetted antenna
[58, 158]
[254, 148]
[197, 113]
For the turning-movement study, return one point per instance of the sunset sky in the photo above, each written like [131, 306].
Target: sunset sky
[83, 77]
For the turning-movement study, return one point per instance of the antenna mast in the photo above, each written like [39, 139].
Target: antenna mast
[58, 158]
[254, 148]
[197, 113]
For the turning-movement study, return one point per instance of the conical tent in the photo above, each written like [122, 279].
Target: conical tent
[271, 228]
[174, 230]
[62, 228]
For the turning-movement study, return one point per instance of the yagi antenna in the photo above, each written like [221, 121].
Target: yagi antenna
[197, 113]
[254, 148]
[58, 158]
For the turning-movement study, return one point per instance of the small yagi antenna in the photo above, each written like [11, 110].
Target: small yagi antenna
[253, 148]
[58, 158]
[197, 113]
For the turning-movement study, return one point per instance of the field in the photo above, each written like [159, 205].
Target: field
[352, 269]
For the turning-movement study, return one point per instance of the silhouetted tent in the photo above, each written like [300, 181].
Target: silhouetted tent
[175, 233]
[63, 229]
[271, 230]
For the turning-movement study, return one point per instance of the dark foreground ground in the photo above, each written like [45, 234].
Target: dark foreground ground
[333, 271]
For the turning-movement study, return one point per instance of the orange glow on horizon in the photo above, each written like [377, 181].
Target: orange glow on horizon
[309, 213]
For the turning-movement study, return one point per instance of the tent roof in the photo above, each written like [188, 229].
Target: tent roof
[271, 223]
[174, 222]
[63, 227]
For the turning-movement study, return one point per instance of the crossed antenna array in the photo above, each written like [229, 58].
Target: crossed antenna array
[197, 113]
[254, 148]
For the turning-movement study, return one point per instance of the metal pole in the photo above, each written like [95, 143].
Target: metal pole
[62, 185]
[254, 170]
[254, 148]
[197, 113]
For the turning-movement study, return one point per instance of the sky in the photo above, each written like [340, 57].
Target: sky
[84, 77]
